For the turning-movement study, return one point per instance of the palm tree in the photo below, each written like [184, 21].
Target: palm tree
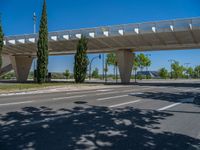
[112, 60]
[135, 66]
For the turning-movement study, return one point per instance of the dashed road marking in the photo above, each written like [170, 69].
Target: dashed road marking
[133, 94]
[126, 103]
[61, 98]
[185, 100]
[104, 90]
[169, 106]
[16, 103]
[106, 98]
[132, 90]
[53, 99]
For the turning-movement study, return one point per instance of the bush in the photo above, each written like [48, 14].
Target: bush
[148, 77]
[95, 73]
[67, 74]
[140, 77]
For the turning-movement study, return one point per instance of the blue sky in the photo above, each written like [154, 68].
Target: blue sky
[71, 14]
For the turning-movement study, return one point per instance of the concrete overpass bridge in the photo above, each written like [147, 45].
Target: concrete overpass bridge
[19, 51]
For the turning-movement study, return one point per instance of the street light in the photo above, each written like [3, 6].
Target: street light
[103, 67]
[171, 60]
[90, 67]
[34, 22]
[34, 31]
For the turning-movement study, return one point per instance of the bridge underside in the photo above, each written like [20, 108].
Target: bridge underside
[122, 39]
[143, 42]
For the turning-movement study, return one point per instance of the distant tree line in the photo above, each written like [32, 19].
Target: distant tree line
[179, 71]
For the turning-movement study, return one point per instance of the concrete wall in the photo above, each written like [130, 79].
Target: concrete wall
[6, 60]
[21, 66]
[125, 63]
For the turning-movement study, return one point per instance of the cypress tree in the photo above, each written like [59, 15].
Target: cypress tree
[1, 43]
[42, 53]
[81, 61]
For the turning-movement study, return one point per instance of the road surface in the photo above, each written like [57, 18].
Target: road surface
[149, 116]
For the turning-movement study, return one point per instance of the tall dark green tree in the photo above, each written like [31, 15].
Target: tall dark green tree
[81, 61]
[1, 43]
[42, 53]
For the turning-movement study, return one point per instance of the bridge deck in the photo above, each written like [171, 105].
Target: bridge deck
[163, 35]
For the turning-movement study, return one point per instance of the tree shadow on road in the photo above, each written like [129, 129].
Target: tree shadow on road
[167, 96]
[90, 127]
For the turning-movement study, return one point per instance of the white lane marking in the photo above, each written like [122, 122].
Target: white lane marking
[104, 90]
[132, 90]
[108, 93]
[54, 99]
[106, 98]
[16, 103]
[61, 98]
[169, 106]
[133, 94]
[42, 96]
[126, 103]
[185, 100]
[79, 92]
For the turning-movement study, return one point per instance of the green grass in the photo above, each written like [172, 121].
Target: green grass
[12, 87]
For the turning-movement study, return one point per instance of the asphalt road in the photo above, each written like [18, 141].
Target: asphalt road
[147, 116]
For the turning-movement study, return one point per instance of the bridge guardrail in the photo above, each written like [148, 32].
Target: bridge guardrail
[115, 30]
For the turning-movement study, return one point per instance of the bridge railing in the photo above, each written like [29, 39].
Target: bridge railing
[110, 31]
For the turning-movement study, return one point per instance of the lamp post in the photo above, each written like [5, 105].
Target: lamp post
[34, 22]
[34, 31]
[90, 67]
[103, 67]
[171, 60]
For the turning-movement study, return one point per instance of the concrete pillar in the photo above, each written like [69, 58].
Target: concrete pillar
[6, 60]
[6, 65]
[125, 64]
[21, 66]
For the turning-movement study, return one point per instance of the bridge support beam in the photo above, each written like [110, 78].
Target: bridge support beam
[6, 66]
[125, 64]
[5, 60]
[21, 66]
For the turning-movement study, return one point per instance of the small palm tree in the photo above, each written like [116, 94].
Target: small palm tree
[112, 60]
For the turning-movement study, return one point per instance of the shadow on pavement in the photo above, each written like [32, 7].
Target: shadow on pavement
[89, 127]
[168, 96]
